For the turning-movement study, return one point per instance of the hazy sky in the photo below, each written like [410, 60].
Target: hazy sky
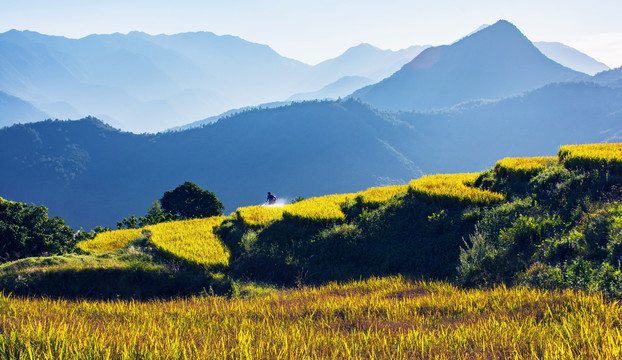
[315, 30]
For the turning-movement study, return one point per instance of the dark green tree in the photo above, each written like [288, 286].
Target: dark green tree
[128, 222]
[26, 230]
[154, 215]
[188, 201]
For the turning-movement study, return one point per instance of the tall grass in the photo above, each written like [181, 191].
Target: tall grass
[382, 318]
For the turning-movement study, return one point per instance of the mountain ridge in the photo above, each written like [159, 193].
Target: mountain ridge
[492, 63]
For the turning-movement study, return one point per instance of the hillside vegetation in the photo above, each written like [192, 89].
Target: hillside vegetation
[540, 237]
[546, 222]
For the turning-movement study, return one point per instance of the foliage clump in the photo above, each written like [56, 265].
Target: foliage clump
[26, 230]
[562, 231]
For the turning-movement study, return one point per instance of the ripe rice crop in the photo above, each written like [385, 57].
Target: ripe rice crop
[376, 195]
[592, 156]
[323, 209]
[109, 240]
[522, 168]
[387, 318]
[259, 215]
[451, 189]
[192, 241]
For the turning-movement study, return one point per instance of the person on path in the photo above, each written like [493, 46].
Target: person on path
[271, 200]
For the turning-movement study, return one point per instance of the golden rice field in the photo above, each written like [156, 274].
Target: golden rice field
[381, 318]
[259, 215]
[109, 240]
[451, 189]
[523, 167]
[193, 241]
[318, 209]
[593, 156]
[377, 195]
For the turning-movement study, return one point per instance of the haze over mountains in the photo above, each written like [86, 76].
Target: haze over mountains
[570, 57]
[500, 97]
[140, 82]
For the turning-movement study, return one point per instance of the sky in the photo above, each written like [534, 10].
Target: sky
[316, 30]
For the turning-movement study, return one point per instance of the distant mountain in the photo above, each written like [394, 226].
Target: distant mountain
[145, 83]
[229, 113]
[363, 60]
[536, 123]
[571, 57]
[92, 174]
[14, 110]
[610, 78]
[492, 63]
[340, 88]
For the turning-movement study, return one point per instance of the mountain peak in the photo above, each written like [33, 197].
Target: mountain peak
[492, 63]
[502, 30]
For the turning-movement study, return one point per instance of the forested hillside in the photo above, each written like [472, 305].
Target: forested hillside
[91, 174]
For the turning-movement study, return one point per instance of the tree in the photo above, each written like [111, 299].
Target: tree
[154, 215]
[26, 230]
[188, 201]
[128, 222]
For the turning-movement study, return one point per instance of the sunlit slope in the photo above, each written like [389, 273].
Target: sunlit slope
[453, 189]
[198, 242]
[190, 241]
[323, 209]
[193, 241]
[523, 167]
[109, 240]
[593, 156]
[379, 318]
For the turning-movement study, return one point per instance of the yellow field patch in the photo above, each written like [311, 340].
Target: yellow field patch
[318, 209]
[376, 195]
[193, 241]
[259, 215]
[522, 167]
[109, 240]
[451, 189]
[592, 156]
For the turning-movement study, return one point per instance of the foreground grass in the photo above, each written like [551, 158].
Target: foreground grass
[387, 318]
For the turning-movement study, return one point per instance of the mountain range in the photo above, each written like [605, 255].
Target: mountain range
[92, 174]
[500, 96]
[148, 83]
